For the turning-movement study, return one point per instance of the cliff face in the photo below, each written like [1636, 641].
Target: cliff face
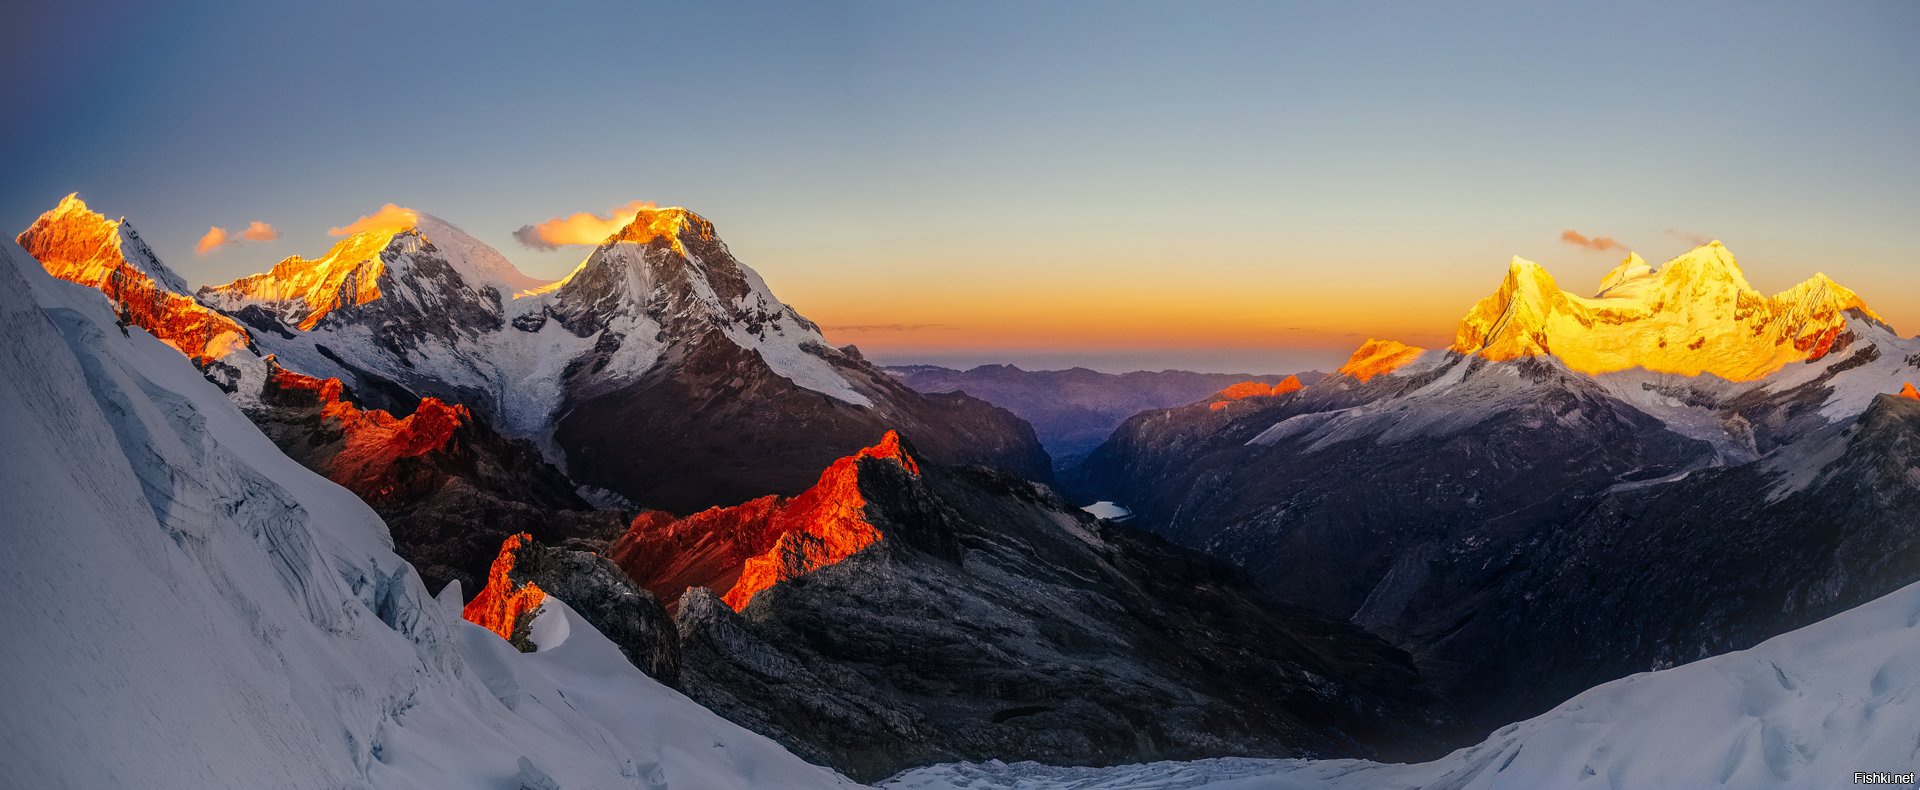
[450, 488]
[371, 441]
[503, 601]
[1378, 358]
[740, 551]
[1254, 389]
[76, 244]
[526, 574]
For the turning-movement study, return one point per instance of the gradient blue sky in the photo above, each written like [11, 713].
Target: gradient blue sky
[1213, 186]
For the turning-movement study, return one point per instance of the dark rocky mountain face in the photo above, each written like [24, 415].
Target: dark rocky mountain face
[1073, 411]
[993, 620]
[1526, 532]
[448, 486]
[740, 396]
[526, 571]
[1655, 576]
[717, 428]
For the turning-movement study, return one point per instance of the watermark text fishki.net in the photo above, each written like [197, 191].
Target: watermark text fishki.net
[1882, 778]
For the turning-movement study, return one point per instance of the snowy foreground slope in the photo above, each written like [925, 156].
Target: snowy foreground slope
[187, 607]
[1805, 709]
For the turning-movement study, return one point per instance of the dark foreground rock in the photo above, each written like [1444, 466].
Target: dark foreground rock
[994, 621]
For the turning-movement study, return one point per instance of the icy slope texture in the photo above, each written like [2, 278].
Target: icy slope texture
[1806, 709]
[1527, 530]
[991, 619]
[661, 370]
[75, 243]
[190, 608]
[1697, 314]
[1074, 410]
[739, 551]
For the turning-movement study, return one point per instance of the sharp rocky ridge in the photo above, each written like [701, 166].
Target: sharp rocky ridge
[660, 339]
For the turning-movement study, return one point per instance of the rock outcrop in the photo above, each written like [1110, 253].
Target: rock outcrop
[742, 550]
[526, 572]
[77, 244]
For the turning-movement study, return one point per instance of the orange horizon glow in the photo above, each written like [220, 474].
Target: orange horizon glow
[1110, 319]
[1217, 303]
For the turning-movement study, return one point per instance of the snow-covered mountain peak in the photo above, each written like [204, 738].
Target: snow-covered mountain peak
[1695, 314]
[422, 254]
[666, 280]
[301, 291]
[1820, 298]
[1634, 268]
[1704, 270]
[76, 243]
[1525, 277]
[476, 261]
[668, 224]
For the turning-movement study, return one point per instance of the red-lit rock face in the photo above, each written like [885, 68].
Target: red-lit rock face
[1245, 389]
[1255, 389]
[500, 603]
[79, 245]
[1379, 358]
[739, 551]
[372, 439]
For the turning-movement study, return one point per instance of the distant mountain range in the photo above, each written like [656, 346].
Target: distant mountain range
[1074, 410]
[1579, 489]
